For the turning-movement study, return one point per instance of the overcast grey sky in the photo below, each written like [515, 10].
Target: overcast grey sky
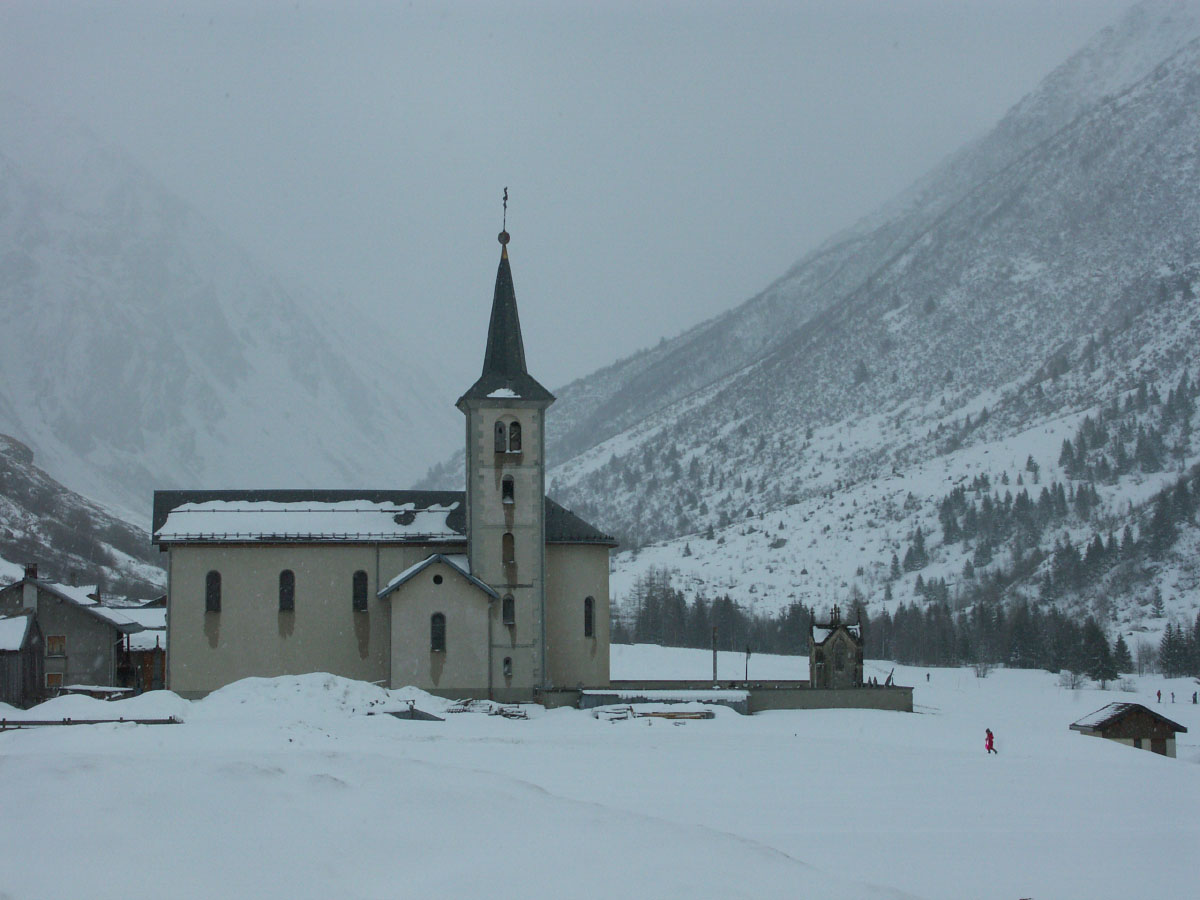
[665, 161]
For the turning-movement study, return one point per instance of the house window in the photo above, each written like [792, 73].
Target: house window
[359, 591]
[589, 616]
[508, 549]
[508, 667]
[437, 633]
[501, 438]
[506, 489]
[56, 645]
[508, 610]
[839, 658]
[212, 592]
[287, 590]
[514, 437]
[54, 679]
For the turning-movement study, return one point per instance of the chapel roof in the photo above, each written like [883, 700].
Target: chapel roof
[317, 516]
[504, 373]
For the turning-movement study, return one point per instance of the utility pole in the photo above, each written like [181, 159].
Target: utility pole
[747, 678]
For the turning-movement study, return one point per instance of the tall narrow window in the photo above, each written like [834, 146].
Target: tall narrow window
[501, 438]
[514, 437]
[359, 591]
[508, 610]
[507, 667]
[506, 490]
[508, 549]
[437, 633]
[287, 590]
[589, 616]
[212, 592]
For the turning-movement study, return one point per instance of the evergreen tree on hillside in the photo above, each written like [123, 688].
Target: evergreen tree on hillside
[1122, 658]
[1098, 661]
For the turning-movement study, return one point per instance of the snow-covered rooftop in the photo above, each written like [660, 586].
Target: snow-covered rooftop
[347, 520]
[12, 632]
[456, 561]
[821, 634]
[1114, 711]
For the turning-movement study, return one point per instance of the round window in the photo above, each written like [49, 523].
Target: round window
[437, 579]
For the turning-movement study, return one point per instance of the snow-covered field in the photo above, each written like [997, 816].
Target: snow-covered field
[286, 788]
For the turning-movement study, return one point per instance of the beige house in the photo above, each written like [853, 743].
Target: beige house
[493, 592]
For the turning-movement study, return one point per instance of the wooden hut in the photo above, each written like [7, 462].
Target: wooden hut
[1133, 725]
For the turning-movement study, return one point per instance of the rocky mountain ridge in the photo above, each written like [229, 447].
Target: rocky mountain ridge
[71, 539]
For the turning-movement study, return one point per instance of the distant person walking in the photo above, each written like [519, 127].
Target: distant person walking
[1172, 696]
[989, 742]
[1193, 698]
[1160, 696]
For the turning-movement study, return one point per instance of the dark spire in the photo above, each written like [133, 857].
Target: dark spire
[505, 354]
[504, 358]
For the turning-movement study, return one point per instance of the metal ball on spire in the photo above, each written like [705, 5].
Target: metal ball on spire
[503, 237]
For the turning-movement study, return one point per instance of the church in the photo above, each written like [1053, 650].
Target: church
[496, 592]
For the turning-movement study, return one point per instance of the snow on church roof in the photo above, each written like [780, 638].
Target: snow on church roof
[251, 519]
[456, 561]
[280, 516]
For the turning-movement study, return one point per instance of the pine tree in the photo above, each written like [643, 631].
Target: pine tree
[1098, 661]
[1122, 658]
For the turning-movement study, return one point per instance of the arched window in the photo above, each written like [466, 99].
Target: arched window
[501, 438]
[437, 633]
[589, 616]
[508, 610]
[514, 437]
[212, 592]
[359, 591]
[287, 590]
[839, 657]
[507, 667]
[508, 549]
[506, 490]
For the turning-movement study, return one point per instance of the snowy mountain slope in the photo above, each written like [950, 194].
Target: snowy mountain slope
[71, 539]
[602, 404]
[1034, 293]
[140, 349]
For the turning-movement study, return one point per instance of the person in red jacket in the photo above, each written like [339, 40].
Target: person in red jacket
[989, 742]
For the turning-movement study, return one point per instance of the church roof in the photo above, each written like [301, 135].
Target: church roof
[457, 562]
[504, 373]
[283, 516]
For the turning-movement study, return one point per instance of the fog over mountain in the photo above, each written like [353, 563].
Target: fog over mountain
[141, 349]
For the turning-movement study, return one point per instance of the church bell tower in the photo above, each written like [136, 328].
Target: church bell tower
[505, 498]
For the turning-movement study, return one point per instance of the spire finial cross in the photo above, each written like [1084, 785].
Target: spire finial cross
[503, 237]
